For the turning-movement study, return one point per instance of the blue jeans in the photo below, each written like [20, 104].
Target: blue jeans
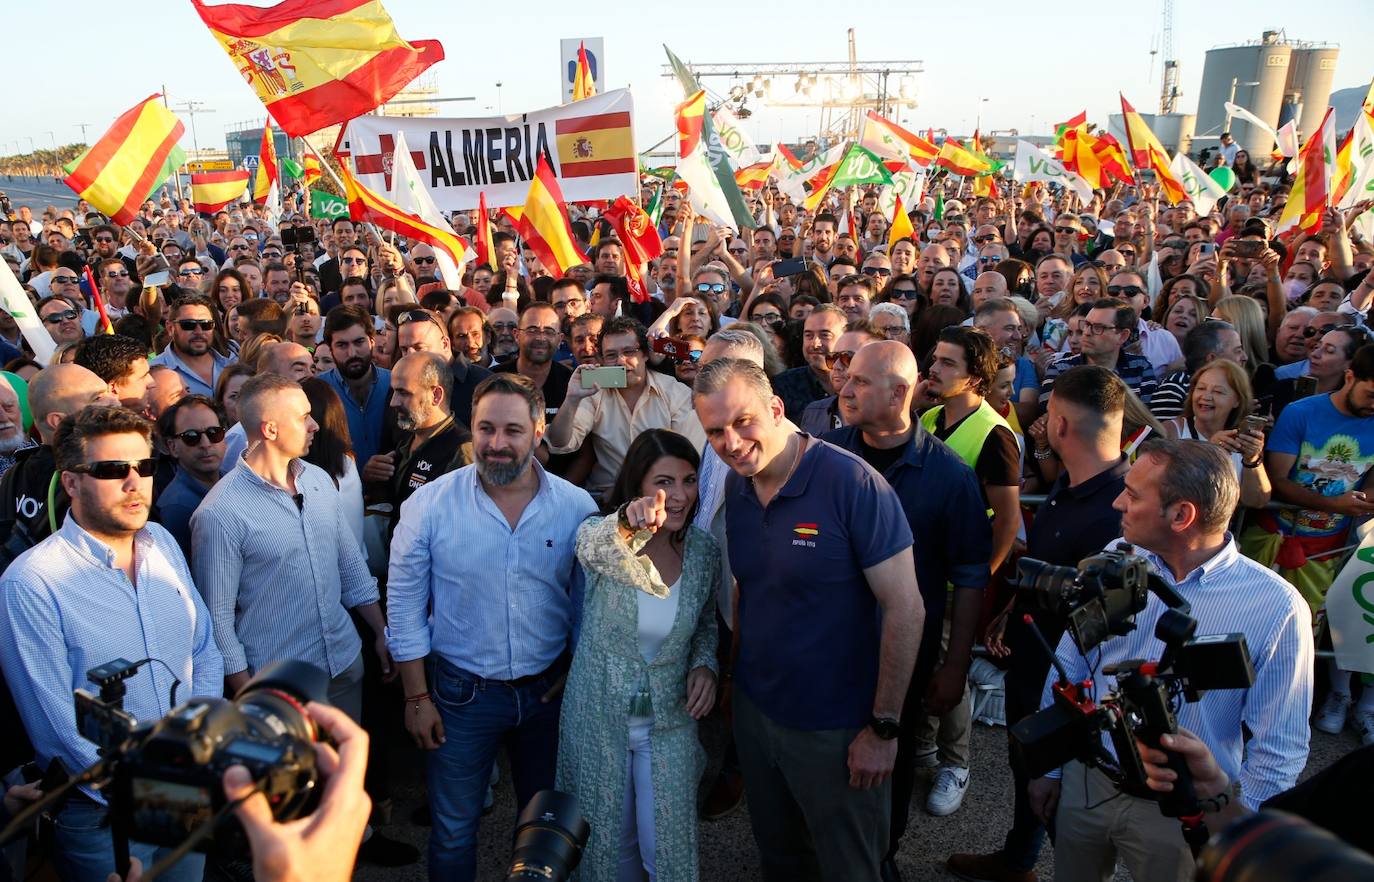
[480, 716]
[85, 850]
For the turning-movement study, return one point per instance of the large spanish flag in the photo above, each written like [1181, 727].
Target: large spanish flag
[544, 226]
[130, 161]
[212, 191]
[1148, 153]
[366, 205]
[315, 63]
[600, 144]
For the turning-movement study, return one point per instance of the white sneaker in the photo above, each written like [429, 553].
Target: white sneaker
[1331, 717]
[1362, 721]
[947, 794]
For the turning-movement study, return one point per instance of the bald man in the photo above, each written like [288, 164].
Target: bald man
[987, 286]
[287, 359]
[55, 392]
[943, 502]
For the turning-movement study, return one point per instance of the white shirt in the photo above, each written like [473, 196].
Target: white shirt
[656, 615]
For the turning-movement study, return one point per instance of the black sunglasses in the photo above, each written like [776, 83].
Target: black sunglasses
[424, 259]
[116, 469]
[196, 324]
[191, 437]
[1128, 290]
[57, 318]
[66, 280]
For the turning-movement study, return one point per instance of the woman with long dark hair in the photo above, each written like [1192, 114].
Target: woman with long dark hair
[644, 670]
[332, 449]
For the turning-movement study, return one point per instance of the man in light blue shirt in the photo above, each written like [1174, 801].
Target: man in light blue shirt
[490, 548]
[1178, 501]
[107, 585]
[190, 351]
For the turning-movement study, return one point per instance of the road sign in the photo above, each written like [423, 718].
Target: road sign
[250, 162]
[596, 54]
[209, 165]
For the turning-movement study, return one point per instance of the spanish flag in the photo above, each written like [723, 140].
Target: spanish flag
[961, 161]
[901, 225]
[599, 144]
[365, 205]
[1311, 183]
[583, 84]
[1148, 153]
[268, 175]
[753, 177]
[885, 138]
[638, 237]
[486, 252]
[544, 225]
[130, 161]
[313, 170]
[315, 63]
[212, 191]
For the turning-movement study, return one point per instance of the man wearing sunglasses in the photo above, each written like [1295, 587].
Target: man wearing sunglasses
[105, 585]
[115, 282]
[57, 391]
[59, 315]
[190, 350]
[1154, 342]
[193, 430]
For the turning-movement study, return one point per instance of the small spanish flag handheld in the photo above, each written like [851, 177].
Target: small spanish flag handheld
[130, 161]
[583, 84]
[314, 63]
[211, 191]
[486, 250]
[267, 175]
[544, 224]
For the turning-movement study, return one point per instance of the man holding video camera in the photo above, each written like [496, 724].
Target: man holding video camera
[1178, 501]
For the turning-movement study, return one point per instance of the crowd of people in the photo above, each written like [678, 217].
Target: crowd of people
[785, 496]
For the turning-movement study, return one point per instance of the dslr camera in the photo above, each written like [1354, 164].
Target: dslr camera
[1099, 600]
[163, 778]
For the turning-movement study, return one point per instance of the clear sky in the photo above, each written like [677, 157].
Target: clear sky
[1036, 63]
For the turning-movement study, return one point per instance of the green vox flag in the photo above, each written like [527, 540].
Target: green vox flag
[716, 154]
[860, 166]
[327, 205]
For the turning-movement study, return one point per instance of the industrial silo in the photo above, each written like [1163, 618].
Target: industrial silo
[1311, 73]
[1256, 75]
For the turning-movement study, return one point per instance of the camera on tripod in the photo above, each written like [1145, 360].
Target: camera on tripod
[1098, 600]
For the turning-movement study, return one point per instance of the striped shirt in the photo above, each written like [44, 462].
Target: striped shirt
[279, 573]
[1134, 370]
[67, 608]
[500, 596]
[1229, 594]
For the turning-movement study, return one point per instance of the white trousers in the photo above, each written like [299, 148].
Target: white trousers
[637, 818]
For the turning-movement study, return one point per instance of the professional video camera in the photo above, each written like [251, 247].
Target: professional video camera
[1100, 599]
[163, 779]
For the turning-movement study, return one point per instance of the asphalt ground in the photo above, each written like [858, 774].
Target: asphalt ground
[727, 846]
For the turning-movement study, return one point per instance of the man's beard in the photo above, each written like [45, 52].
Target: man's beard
[502, 473]
[11, 443]
[355, 368]
[541, 353]
[409, 420]
[195, 347]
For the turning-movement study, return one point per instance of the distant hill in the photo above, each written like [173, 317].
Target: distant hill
[1347, 105]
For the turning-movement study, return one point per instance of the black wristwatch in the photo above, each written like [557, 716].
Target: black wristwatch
[885, 728]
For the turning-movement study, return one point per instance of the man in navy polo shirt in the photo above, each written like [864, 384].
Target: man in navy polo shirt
[943, 503]
[828, 625]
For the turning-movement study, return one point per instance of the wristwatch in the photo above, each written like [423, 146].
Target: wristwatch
[885, 728]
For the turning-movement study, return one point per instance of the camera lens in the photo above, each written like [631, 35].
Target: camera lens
[549, 838]
[278, 694]
[1272, 846]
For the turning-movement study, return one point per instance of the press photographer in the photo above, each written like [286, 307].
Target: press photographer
[1178, 501]
[107, 584]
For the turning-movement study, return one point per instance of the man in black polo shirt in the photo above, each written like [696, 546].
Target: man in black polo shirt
[943, 503]
[434, 443]
[538, 338]
[1076, 521]
[829, 622]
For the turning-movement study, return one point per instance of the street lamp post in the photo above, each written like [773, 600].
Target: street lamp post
[978, 126]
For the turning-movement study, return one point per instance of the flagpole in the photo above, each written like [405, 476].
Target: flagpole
[177, 173]
[342, 189]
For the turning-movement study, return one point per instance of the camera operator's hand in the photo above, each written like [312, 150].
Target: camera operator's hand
[1208, 778]
[21, 795]
[1044, 798]
[323, 846]
[870, 759]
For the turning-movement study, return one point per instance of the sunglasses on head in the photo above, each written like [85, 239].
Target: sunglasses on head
[416, 315]
[196, 324]
[191, 437]
[116, 469]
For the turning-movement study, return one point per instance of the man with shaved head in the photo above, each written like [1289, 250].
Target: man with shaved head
[987, 286]
[287, 359]
[55, 392]
[943, 503]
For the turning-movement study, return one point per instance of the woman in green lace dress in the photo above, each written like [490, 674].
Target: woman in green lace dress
[644, 670]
